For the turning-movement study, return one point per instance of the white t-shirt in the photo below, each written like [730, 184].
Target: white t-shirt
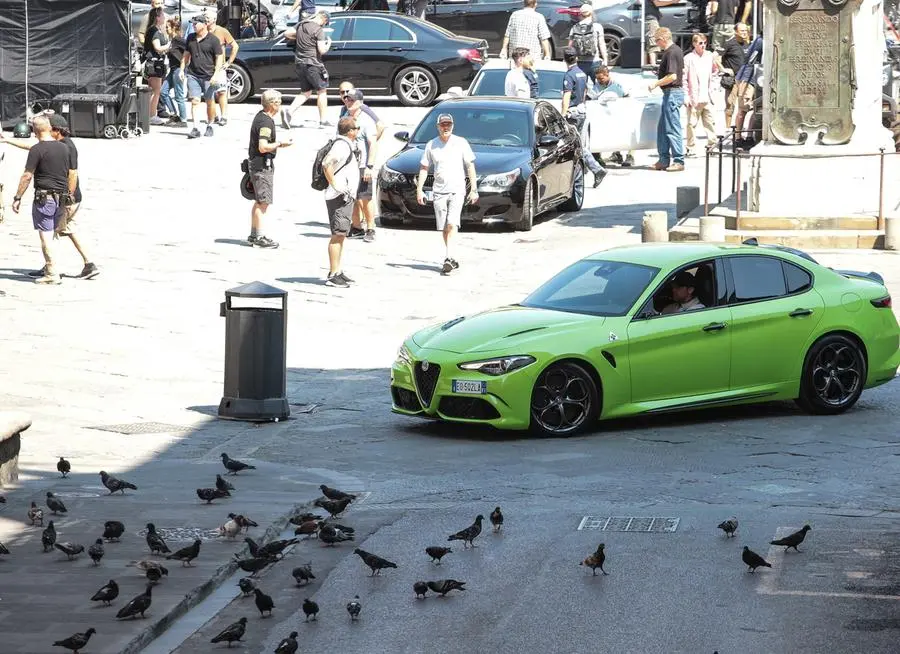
[347, 178]
[367, 131]
[516, 84]
[449, 163]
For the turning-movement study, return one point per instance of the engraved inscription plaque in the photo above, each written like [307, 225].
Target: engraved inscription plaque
[812, 85]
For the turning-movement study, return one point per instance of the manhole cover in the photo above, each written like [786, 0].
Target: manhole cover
[629, 523]
[175, 534]
[144, 428]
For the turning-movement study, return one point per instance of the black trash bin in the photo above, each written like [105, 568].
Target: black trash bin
[255, 353]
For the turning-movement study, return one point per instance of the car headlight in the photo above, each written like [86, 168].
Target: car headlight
[390, 176]
[498, 181]
[404, 355]
[500, 365]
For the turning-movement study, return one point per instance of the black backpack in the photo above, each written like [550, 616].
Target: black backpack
[319, 181]
[583, 40]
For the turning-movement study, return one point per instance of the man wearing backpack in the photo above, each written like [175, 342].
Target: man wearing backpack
[261, 161]
[586, 37]
[341, 170]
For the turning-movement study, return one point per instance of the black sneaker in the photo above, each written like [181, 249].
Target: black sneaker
[629, 161]
[38, 273]
[222, 121]
[449, 266]
[209, 131]
[343, 276]
[616, 158]
[356, 232]
[369, 236]
[252, 239]
[89, 271]
[194, 133]
[598, 178]
[337, 280]
[264, 242]
[175, 122]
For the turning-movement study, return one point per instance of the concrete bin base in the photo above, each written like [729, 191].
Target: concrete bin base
[236, 408]
[12, 424]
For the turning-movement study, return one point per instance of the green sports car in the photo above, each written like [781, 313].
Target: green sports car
[653, 328]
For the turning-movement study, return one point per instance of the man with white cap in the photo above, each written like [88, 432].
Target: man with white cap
[586, 36]
[452, 160]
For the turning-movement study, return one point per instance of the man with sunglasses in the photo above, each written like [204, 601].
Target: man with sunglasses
[699, 67]
[342, 173]
[669, 142]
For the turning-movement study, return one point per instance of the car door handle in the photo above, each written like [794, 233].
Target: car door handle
[714, 327]
[396, 48]
[458, 12]
[798, 313]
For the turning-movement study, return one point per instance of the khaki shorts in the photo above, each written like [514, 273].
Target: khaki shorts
[448, 209]
[652, 26]
[67, 223]
[742, 101]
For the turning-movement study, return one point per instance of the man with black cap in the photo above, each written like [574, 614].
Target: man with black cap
[202, 60]
[575, 84]
[683, 294]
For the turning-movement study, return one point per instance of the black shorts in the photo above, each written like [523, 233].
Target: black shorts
[313, 77]
[340, 215]
[263, 184]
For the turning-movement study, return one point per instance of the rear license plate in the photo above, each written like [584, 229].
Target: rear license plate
[469, 387]
[429, 196]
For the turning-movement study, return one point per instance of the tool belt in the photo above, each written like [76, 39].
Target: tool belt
[62, 198]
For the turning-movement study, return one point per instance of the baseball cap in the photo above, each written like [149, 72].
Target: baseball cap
[199, 18]
[58, 122]
[586, 9]
[684, 278]
[445, 118]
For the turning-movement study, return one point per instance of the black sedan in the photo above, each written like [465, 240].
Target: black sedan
[381, 53]
[527, 161]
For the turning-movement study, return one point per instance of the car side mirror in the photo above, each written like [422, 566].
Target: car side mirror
[548, 140]
[402, 136]
[455, 92]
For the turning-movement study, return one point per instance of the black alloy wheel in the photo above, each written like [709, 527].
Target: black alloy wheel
[833, 376]
[613, 47]
[528, 208]
[564, 401]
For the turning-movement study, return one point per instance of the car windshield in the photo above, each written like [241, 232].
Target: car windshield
[480, 126]
[597, 288]
[493, 82]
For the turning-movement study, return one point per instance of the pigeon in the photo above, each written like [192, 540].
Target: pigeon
[303, 573]
[307, 529]
[444, 586]
[252, 547]
[115, 485]
[496, 518]
[331, 536]
[48, 537]
[420, 588]
[113, 530]
[146, 565]
[305, 517]
[71, 550]
[64, 468]
[263, 602]
[155, 542]
[187, 554]
[753, 560]
[36, 514]
[234, 466]
[55, 504]
[231, 528]
[335, 494]
[310, 608]
[77, 641]
[376, 563]
[232, 633]
[334, 507]
[469, 534]
[96, 551]
[246, 585]
[287, 645]
[3, 549]
[437, 553]
[108, 593]
[243, 521]
[155, 574]
[137, 605]
[792, 540]
[276, 548]
[223, 485]
[729, 526]
[210, 494]
[354, 607]
[596, 560]
[253, 565]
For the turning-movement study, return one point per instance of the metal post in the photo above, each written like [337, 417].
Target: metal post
[721, 140]
[737, 158]
[733, 162]
[880, 224]
[706, 186]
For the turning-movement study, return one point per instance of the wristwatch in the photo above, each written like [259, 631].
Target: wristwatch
[17, 198]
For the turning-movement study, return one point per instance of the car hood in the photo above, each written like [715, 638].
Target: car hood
[488, 160]
[506, 328]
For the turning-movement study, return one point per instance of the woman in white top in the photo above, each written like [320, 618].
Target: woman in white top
[586, 37]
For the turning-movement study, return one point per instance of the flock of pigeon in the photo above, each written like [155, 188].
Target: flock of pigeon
[753, 560]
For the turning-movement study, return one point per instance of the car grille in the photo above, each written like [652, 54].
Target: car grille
[426, 380]
[405, 399]
[470, 408]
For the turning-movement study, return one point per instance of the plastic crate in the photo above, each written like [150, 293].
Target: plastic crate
[90, 115]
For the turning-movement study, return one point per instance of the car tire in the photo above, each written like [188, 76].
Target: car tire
[564, 401]
[240, 86]
[613, 47]
[576, 196]
[833, 376]
[415, 86]
[528, 207]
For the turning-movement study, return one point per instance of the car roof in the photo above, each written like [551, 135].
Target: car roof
[541, 64]
[492, 102]
[664, 255]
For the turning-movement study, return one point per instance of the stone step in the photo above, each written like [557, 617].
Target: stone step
[768, 223]
[688, 229]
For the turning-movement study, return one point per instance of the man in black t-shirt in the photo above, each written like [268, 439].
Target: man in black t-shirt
[669, 140]
[312, 41]
[724, 13]
[203, 58]
[733, 56]
[261, 158]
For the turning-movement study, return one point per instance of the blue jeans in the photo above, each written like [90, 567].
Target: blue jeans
[668, 130]
[581, 124]
[174, 82]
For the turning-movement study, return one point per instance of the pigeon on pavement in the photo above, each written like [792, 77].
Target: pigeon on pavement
[107, 593]
[792, 540]
[232, 633]
[55, 504]
[334, 507]
[354, 607]
[63, 466]
[137, 605]
[71, 550]
[729, 526]
[253, 565]
[335, 494]
[115, 485]
[596, 560]
[113, 530]
[310, 608]
[148, 564]
[303, 573]
[288, 645]
[437, 553]
[96, 551]
[306, 517]
[155, 574]
[339, 527]
[376, 563]
[48, 537]
[76, 642]
[243, 521]
[210, 494]
[230, 528]
[496, 518]
[420, 588]
[264, 602]
[469, 534]
[155, 542]
[276, 548]
[36, 514]
[187, 554]
[252, 547]
[331, 536]
[308, 529]
[753, 560]
[234, 466]
[444, 586]
[246, 585]
[223, 485]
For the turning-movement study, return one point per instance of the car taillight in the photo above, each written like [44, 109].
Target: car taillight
[882, 302]
[472, 55]
[571, 11]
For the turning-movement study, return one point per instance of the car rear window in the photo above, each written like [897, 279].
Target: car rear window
[493, 82]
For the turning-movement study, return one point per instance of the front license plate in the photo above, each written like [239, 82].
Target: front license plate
[470, 387]
[429, 196]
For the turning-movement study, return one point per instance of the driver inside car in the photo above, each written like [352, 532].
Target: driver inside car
[683, 297]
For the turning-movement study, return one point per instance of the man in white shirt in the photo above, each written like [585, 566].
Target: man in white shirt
[683, 294]
[699, 67]
[341, 168]
[452, 160]
[516, 84]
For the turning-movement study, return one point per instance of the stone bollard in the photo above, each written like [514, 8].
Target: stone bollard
[892, 233]
[655, 227]
[712, 229]
[687, 198]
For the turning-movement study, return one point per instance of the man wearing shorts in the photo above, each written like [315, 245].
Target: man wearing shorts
[261, 159]
[202, 60]
[220, 85]
[452, 159]
[341, 168]
[311, 43]
[367, 135]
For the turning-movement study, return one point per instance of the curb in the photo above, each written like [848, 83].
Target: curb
[201, 592]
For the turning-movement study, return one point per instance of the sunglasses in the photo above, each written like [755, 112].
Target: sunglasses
[445, 124]
[348, 92]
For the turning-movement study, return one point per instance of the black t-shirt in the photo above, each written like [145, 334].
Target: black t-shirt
[263, 128]
[726, 12]
[153, 32]
[176, 52]
[306, 50]
[50, 162]
[203, 55]
[73, 163]
[734, 55]
[651, 11]
[671, 61]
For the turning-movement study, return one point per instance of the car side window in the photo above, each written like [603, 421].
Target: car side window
[376, 29]
[339, 25]
[756, 278]
[797, 279]
[701, 277]
[553, 122]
